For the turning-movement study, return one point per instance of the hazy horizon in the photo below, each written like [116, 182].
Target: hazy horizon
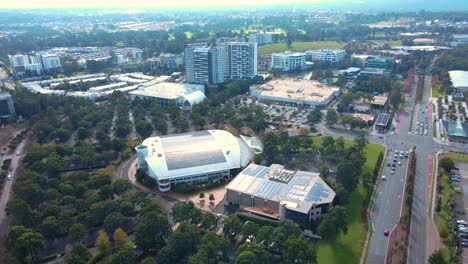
[200, 4]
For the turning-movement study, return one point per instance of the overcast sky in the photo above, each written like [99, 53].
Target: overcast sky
[137, 3]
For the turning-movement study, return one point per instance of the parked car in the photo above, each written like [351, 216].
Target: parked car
[464, 244]
[386, 232]
[462, 235]
[456, 179]
[384, 178]
[9, 177]
[463, 222]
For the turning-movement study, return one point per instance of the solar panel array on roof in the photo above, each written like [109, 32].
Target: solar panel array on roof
[317, 193]
[183, 159]
[382, 119]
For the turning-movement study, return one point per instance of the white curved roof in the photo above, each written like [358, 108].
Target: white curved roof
[195, 97]
[195, 153]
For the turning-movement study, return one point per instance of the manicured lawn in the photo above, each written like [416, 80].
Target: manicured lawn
[299, 46]
[394, 42]
[188, 34]
[436, 91]
[348, 248]
[458, 156]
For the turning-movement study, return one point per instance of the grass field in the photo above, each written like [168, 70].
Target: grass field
[348, 248]
[188, 34]
[436, 91]
[458, 156]
[394, 42]
[299, 46]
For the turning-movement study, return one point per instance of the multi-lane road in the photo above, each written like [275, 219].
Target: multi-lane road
[412, 132]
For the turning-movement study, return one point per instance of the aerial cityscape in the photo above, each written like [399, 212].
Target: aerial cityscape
[247, 132]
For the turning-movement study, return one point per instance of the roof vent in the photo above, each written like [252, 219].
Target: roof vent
[227, 152]
[159, 155]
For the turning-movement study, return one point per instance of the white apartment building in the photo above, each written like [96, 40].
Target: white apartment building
[288, 60]
[22, 64]
[203, 64]
[331, 55]
[242, 60]
[50, 62]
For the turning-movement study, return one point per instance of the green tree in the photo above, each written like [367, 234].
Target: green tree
[437, 258]
[116, 220]
[79, 254]
[246, 257]
[232, 225]
[125, 256]
[209, 221]
[14, 233]
[151, 232]
[299, 250]
[447, 164]
[76, 231]
[120, 239]
[211, 197]
[259, 252]
[29, 245]
[180, 211]
[331, 117]
[148, 260]
[314, 116]
[201, 195]
[347, 175]
[333, 222]
[249, 228]
[50, 227]
[120, 187]
[103, 244]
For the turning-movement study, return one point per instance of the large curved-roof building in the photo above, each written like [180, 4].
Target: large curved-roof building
[192, 157]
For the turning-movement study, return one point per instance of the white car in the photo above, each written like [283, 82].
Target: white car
[384, 178]
[399, 163]
[462, 222]
[9, 177]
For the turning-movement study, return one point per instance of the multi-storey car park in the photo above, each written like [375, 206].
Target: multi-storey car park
[192, 157]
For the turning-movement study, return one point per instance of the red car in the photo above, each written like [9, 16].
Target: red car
[386, 232]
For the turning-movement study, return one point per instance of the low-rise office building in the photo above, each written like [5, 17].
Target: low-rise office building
[193, 157]
[288, 61]
[374, 72]
[459, 39]
[300, 93]
[330, 55]
[277, 193]
[184, 94]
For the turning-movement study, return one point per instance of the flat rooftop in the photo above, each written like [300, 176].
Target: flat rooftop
[383, 119]
[459, 78]
[365, 117]
[304, 90]
[299, 190]
[379, 100]
[168, 90]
